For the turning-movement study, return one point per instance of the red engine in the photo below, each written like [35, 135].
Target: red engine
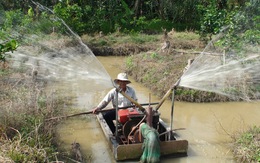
[124, 114]
[129, 119]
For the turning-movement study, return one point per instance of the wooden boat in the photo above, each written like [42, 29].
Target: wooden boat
[126, 145]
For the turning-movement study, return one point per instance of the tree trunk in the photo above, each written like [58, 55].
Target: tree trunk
[136, 8]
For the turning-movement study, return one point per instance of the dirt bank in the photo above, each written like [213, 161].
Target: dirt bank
[156, 61]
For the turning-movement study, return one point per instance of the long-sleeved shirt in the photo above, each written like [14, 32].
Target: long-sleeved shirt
[122, 101]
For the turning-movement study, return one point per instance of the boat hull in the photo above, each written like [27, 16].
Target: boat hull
[134, 151]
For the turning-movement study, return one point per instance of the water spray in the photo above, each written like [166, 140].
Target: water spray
[58, 55]
[174, 87]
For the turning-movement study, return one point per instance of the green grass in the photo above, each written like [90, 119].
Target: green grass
[246, 146]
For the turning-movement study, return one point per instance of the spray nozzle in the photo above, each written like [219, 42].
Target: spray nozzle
[176, 84]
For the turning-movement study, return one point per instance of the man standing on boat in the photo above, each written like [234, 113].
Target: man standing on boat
[122, 81]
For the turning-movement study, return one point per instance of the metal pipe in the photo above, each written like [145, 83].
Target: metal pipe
[172, 109]
[149, 119]
[116, 113]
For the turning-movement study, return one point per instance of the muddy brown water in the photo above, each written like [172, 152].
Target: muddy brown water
[208, 126]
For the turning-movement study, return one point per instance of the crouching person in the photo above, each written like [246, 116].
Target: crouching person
[151, 144]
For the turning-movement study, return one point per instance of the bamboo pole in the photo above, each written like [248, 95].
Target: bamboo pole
[167, 94]
[132, 100]
[105, 110]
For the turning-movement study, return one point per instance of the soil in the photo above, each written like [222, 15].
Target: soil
[130, 48]
[155, 68]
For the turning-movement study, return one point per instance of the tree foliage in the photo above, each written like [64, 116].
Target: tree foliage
[7, 47]
[72, 14]
[206, 16]
[212, 18]
[125, 15]
[243, 28]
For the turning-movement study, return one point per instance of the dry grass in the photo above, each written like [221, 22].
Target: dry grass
[155, 68]
[24, 135]
[246, 146]
[159, 70]
[17, 149]
[122, 44]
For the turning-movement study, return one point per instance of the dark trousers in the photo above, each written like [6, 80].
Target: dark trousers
[109, 117]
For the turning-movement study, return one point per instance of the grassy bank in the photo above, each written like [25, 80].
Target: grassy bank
[246, 146]
[25, 136]
[152, 66]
